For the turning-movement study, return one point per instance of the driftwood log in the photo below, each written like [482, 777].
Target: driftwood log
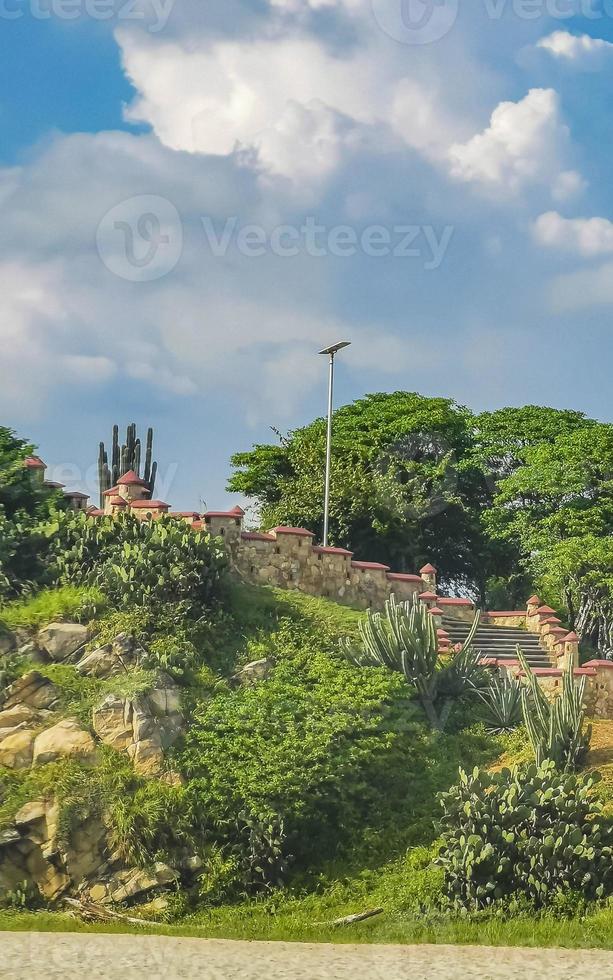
[349, 920]
[98, 913]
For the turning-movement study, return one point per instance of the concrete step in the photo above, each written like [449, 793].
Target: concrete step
[499, 642]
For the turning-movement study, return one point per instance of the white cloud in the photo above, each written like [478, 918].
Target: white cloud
[301, 106]
[211, 324]
[583, 236]
[578, 48]
[567, 184]
[525, 142]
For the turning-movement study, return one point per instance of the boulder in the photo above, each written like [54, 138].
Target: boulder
[32, 690]
[61, 641]
[16, 750]
[143, 726]
[257, 670]
[147, 757]
[67, 739]
[100, 663]
[129, 884]
[30, 813]
[112, 722]
[12, 717]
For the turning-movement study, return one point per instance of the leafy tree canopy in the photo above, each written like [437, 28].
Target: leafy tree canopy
[402, 486]
[18, 492]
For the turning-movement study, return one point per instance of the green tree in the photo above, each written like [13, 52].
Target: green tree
[23, 504]
[19, 493]
[556, 509]
[403, 490]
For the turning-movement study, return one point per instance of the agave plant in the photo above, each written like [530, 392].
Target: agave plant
[502, 704]
[555, 728]
[404, 638]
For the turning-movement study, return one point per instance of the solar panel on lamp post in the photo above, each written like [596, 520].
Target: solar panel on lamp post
[331, 352]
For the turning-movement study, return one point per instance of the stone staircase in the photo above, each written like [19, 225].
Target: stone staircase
[499, 642]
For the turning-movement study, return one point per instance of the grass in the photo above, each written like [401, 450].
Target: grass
[68, 603]
[594, 931]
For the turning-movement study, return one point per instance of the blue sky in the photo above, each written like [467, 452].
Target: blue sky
[196, 197]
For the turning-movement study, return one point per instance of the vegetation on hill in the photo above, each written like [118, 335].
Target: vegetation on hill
[303, 784]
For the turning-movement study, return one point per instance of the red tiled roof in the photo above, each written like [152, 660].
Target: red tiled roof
[545, 609]
[428, 569]
[34, 463]
[435, 611]
[572, 638]
[131, 479]
[151, 504]
[428, 596]
[119, 501]
[95, 512]
[401, 577]
[320, 550]
[370, 565]
[110, 493]
[238, 511]
[608, 664]
[256, 536]
[533, 601]
[300, 531]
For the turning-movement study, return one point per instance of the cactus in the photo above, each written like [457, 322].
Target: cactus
[123, 458]
[529, 833]
[404, 638]
[555, 728]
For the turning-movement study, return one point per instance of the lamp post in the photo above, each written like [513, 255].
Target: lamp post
[331, 352]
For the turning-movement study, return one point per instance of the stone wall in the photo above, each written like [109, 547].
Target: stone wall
[287, 557]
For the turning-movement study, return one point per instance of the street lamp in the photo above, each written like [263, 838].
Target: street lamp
[331, 352]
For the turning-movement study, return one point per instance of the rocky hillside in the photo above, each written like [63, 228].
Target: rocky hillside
[37, 729]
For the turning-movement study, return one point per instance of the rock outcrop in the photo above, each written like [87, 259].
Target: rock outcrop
[143, 727]
[32, 850]
[33, 734]
[111, 659]
[62, 641]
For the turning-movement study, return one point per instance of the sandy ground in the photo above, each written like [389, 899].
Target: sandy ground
[34, 956]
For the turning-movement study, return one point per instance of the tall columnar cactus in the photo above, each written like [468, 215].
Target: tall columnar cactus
[556, 728]
[404, 638]
[123, 458]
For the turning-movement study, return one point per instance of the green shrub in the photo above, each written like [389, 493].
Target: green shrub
[534, 833]
[308, 746]
[23, 547]
[140, 563]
